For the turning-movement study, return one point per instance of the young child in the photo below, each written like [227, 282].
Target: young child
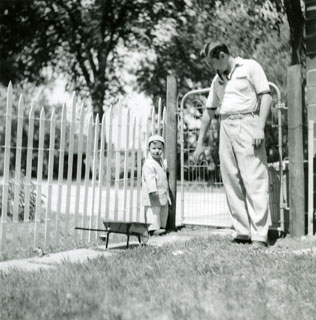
[155, 186]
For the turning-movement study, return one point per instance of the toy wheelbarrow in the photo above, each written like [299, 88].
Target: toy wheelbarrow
[138, 229]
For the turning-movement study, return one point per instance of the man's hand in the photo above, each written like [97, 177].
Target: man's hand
[207, 117]
[258, 138]
[198, 152]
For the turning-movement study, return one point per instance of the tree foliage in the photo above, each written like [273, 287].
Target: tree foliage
[80, 39]
[254, 29]
[83, 40]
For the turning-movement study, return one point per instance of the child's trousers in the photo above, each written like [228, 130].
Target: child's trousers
[157, 217]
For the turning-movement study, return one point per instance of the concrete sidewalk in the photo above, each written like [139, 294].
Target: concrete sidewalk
[81, 255]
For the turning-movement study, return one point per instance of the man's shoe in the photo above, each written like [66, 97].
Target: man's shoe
[259, 244]
[241, 241]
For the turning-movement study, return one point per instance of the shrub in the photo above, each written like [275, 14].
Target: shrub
[21, 208]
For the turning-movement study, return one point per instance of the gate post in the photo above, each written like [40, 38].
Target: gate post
[296, 154]
[171, 147]
[310, 28]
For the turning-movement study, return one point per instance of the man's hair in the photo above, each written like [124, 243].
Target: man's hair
[212, 50]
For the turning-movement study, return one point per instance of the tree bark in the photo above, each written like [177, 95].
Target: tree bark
[97, 92]
[296, 22]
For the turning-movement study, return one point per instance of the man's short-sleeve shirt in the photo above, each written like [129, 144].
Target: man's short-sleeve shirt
[239, 94]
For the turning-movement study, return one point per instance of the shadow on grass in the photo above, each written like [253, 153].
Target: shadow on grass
[123, 246]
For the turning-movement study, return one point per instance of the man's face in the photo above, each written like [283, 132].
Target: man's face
[156, 149]
[220, 64]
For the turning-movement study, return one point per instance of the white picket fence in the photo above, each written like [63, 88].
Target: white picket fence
[110, 189]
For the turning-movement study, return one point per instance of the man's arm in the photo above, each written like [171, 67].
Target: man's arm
[265, 104]
[207, 117]
[264, 109]
[261, 84]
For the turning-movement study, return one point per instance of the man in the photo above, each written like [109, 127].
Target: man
[241, 92]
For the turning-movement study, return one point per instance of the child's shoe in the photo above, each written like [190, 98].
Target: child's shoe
[159, 232]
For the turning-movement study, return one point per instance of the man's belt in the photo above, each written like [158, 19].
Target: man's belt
[233, 116]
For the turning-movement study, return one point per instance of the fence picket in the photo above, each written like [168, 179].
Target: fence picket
[17, 174]
[153, 117]
[146, 135]
[109, 166]
[60, 172]
[117, 162]
[101, 169]
[86, 179]
[164, 123]
[126, 163]
[18, 154]
[48, 218]
[139, 168]
[131, 199]
[6, 168]
[70, 166]
[38, 208]
[94, 175]
[79, 169]
[28, 181]
[159, 117]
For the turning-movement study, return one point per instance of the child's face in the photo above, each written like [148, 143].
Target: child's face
[156, 149]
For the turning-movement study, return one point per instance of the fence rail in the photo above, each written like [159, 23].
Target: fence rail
[70, 173]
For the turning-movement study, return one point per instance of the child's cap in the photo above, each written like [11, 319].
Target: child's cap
[156, 137]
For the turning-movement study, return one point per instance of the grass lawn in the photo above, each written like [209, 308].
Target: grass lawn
[205, 278]
[23, 247]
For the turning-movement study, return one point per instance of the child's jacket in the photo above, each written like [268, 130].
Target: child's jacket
[154, 178]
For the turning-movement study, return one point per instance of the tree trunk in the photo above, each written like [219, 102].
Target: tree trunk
[97, 96]
[296, 22]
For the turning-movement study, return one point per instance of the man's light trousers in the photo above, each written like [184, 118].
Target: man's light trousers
[245, 178]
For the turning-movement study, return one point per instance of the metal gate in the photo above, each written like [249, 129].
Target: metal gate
[202, 198]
